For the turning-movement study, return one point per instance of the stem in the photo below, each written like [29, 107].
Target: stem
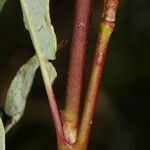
[47, 82]
[106, 28]
[56, 116]
[76, 67]
[52, 101]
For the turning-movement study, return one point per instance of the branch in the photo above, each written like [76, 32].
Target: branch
[56, 116]
[106, 28]
[45, 44]
[76, 68]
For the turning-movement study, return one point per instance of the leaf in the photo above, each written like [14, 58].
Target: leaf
[2, 136]
[50, 72]
[37, 21]
[19, 90]
[2, 3]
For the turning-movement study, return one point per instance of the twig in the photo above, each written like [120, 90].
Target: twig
[56, 116]
[76, 68]
[106, 28]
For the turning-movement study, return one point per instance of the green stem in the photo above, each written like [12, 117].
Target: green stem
[106, 29]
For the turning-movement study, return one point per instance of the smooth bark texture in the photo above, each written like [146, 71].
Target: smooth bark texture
[56, 116]
[106, 28]
[76, 68]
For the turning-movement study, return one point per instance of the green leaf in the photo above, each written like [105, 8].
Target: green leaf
[2, 3]
[37, 21]
[50, 72]
[19, 90]
[2, 136]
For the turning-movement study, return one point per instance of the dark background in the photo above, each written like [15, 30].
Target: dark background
[122, 117]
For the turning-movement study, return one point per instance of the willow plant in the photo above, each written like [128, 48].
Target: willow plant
[71, 133]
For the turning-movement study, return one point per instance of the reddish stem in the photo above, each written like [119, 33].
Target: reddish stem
[77, 60]
[56, 116]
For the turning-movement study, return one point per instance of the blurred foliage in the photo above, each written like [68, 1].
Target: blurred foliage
[2, 3]
[122, 114]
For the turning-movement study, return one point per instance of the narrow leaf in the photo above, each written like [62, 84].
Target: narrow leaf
[2, 136]
[19, 90]
[37, 21]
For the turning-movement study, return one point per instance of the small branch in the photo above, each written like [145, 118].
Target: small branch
[106, 28]
[45, 66]
[52, 102]
[76, 68]
[56, 116]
